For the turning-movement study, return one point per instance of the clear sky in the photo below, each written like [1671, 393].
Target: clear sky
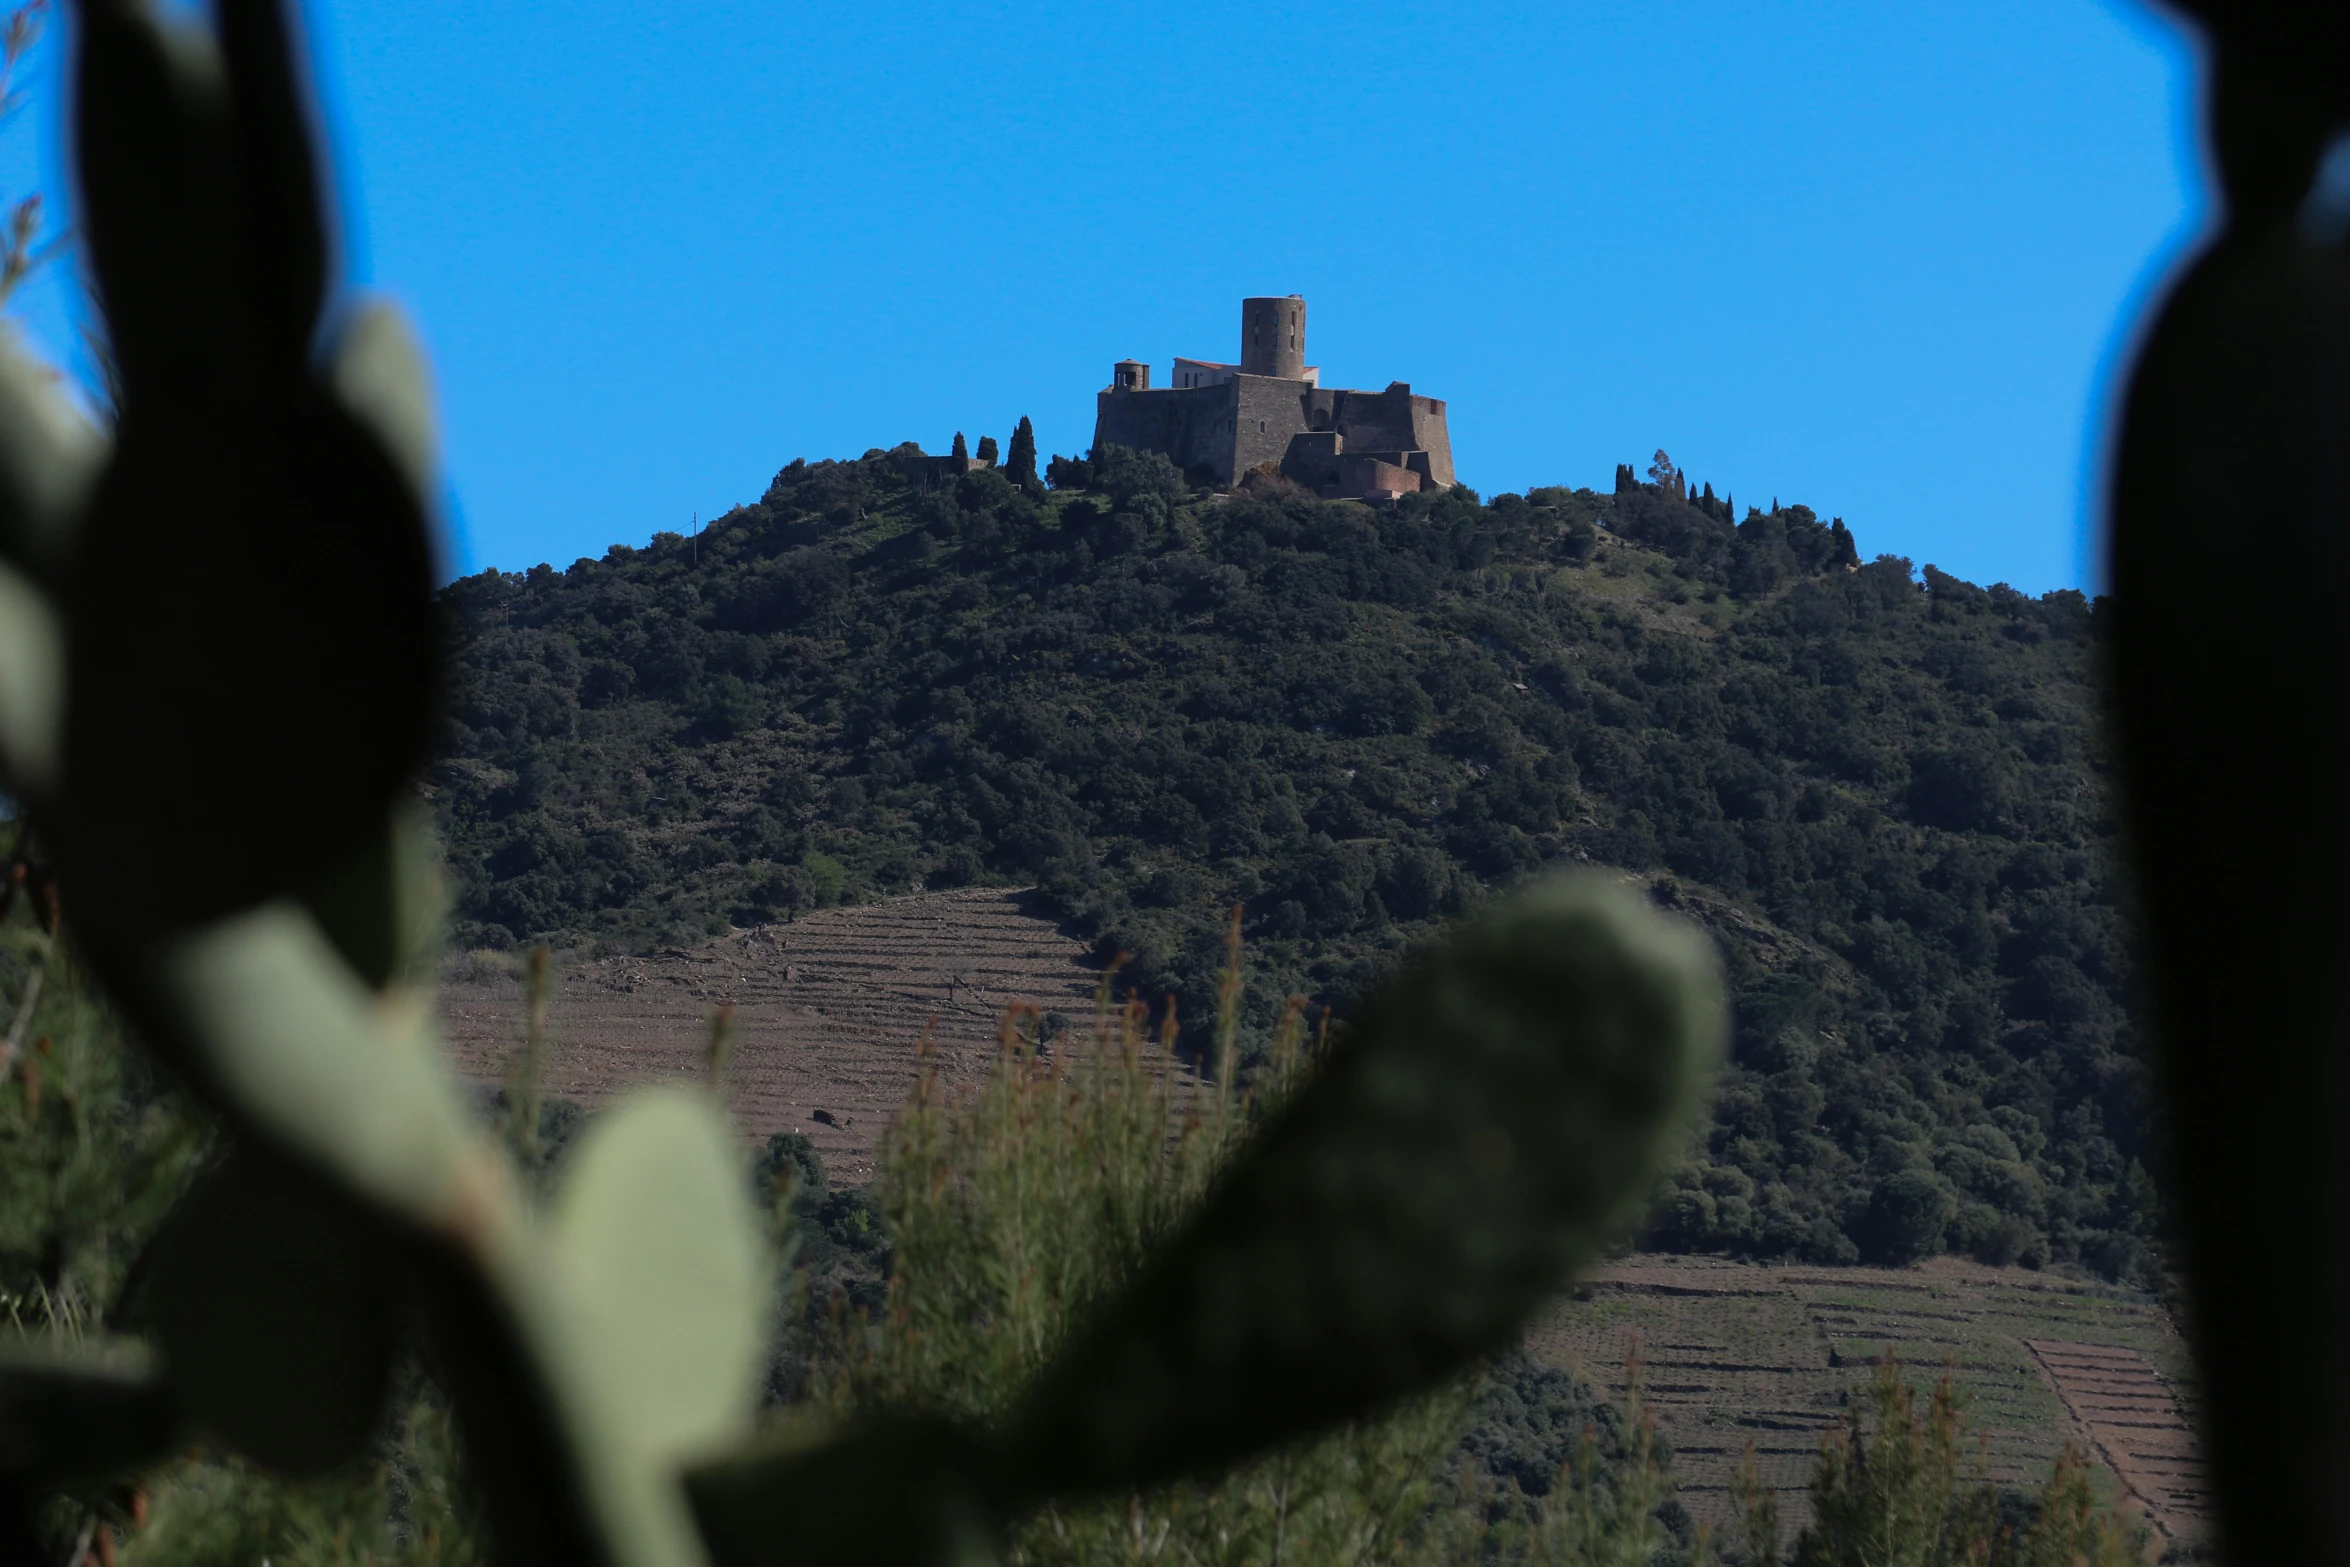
[1881, 259]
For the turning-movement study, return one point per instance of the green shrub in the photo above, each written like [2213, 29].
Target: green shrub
[1015, 1211]
[1896, 1485]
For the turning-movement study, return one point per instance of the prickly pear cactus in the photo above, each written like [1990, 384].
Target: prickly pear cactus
[1499, 1118]
[217, 662]
[2230, 542]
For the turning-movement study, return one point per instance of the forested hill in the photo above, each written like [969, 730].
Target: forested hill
[1888, 798]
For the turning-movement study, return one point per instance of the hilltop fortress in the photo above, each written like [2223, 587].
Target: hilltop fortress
[1270, 412]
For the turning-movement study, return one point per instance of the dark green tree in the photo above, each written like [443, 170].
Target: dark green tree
[987, 449]
[1342, 725]
[1020, 467]
[961, 448]
[1908, 1213]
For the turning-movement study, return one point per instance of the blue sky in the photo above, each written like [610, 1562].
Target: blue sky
[1878, 259]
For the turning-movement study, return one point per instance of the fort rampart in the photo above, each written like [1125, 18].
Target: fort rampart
[1336, 442]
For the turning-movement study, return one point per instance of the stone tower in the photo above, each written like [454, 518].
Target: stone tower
[1271, 413]
[1273, 337]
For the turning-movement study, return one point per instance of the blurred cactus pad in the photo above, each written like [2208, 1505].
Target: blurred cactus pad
[278, 1285]
[215, 785]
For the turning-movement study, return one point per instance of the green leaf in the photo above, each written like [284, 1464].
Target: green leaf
[381, 903]
[1499, 1119]
[653, 1225]
[897, 1495]
[287, 1036]
[655, 1294]
[378, 370]
[49, 457]
[278, 171]
[81, 1412]
[256, 622]
[274, 1302]
[32, 687]
[153, 148]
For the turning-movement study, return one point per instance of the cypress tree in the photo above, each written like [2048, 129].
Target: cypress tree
[987, 448]
[1847, 549]
[1020, 465]
[960, 449]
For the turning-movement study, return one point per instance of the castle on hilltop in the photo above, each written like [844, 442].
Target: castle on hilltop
[1270, 412]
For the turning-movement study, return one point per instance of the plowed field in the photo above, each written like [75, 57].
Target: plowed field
[2126, 1414]
[1737, 1353]
[829, 1011]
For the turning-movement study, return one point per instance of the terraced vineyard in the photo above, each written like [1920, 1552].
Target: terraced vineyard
[829, 1014]
[830, 1011]
[1736, 1353]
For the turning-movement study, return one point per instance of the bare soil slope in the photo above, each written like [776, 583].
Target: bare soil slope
[2123, 1410]
[830, 1010]
[1737, 1353]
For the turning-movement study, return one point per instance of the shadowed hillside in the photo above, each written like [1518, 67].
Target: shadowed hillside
[1886, 798]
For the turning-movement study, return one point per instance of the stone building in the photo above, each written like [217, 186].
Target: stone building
[1270, 411]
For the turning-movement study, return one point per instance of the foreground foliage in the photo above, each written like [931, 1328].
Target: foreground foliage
[597, 1332]
[94, 1145]
[265, 914]
[1016, 1211]
[1002, 1217]
[1894, 1488]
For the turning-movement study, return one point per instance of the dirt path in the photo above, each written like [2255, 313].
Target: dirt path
[2125, 1414]
[829, 1011]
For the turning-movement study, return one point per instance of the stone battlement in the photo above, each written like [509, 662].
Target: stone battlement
[1270, 412]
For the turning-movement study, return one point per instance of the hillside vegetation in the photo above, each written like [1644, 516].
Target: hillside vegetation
[1886, 797]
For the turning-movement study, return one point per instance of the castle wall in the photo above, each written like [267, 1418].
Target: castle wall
[1200, 372]
[1266, 413]
[925, 471]
[1192, 425]
[1244, 417]
[1369, 476]
[1312, 459]
[1376, 421]
[1395, 420]
[1432, 435]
